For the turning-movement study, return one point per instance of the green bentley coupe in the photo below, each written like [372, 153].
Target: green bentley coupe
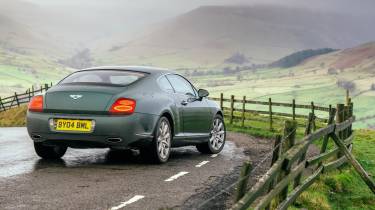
[129, 107]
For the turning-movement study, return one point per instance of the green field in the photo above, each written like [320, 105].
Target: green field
[20, 71]
[304, 86]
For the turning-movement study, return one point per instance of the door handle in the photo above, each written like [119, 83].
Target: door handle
[184, 103]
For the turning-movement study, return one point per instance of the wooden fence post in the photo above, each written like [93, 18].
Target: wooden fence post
[329, 110]
[243, 179]
[32, 89]
[331, 120]
[289, 141]
[340, 116]
[313, 125]
[1, 104]
[221, 101]
[277, 147]
[270, 113]
[346, 116]
[297, 180]
[347, 97]
[16, 98]
[46, 87]
[309, 124]
[41, 89]
[350, 115]
[294, 109]
[340, 119]
[231, 108]
[29, 94]
[243, 110]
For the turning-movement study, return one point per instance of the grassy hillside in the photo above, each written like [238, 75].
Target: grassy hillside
[208, 35]
[318, 79]
[19, 71]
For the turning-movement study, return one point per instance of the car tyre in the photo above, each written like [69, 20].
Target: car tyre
[49, 152]
[160, 148]
[217, 138]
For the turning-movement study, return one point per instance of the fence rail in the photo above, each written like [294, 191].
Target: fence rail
[281, 185]
[21, 98]
[232, 112]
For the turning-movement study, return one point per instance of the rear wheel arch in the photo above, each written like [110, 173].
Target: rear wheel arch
[170, 119]
[219, 113]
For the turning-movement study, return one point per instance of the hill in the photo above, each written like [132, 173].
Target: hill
[353, 68]
[298, 57]
[208, 35]
[28, 56]
[323, 79]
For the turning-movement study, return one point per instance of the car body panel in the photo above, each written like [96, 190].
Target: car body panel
[105, 127]
[191, 122]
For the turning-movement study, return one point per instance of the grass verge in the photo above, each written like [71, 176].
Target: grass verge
[339, 189]
[343, 188]
[15, 117]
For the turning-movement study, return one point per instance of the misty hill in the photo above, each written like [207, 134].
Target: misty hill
[18, 37]
[356, 59]
[21, 29]
[210, 34]
[297, 57]
[27, 55]
[351, 68]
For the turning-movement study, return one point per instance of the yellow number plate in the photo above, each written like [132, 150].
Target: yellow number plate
[73, 125]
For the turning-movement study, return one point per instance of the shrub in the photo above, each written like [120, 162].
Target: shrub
[347, 85]
[237, 58]
[332, 71]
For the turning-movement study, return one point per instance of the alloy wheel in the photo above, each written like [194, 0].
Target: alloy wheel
[217, 134]
[164, 140]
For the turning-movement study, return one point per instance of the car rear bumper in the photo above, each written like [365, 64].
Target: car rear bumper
[134, 130]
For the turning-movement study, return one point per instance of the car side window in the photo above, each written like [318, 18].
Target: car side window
[165, 85]
[181, 85]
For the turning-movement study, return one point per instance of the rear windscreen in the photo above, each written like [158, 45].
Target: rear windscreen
[105, 77]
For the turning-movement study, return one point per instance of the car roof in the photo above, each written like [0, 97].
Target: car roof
[146, 69]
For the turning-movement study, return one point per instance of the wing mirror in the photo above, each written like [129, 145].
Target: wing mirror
[202, 93]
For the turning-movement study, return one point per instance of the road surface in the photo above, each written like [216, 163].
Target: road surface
[100, 179]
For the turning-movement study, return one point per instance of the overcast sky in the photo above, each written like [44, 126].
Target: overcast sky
[101, 18]
[177, 6]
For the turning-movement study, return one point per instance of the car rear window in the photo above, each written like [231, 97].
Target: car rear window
[104, 77]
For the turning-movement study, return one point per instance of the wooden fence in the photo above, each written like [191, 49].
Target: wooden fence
[286, 179]
[21, 98]
[269, 105]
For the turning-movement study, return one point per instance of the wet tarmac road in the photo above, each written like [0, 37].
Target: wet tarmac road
[100, 179]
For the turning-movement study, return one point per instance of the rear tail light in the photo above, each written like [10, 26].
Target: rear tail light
[123, 106]
[36, 104]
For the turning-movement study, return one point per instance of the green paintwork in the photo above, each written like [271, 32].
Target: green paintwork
[191, 121]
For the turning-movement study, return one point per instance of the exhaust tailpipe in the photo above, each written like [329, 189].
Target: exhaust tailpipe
[114, 140]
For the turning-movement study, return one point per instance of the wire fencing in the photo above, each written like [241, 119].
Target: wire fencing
[281, 169]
